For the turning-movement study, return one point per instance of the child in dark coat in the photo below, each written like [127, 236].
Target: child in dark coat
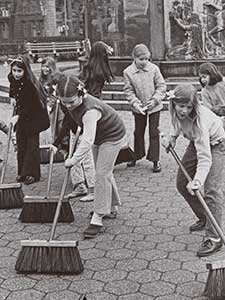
[31, 118]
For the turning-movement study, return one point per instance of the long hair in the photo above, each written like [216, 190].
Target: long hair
[97, 67]
[23, 62]
[50, 62]
[183, 94]
[213, 72]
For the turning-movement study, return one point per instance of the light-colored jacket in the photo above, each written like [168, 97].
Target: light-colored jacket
[143, 85]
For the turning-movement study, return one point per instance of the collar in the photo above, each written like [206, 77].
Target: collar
[134, 68]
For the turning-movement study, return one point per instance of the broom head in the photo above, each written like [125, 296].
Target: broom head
[49, 257]
[11, 195]
[215, 285]
[126, 154]
[39, 209]
[45, 155]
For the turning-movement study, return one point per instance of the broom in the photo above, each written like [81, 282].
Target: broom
[126, 154]
[50, 256]
[215, 285]
[11, 194]
[44, 149]
[42, 209]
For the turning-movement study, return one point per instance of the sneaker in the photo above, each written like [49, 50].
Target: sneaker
[88, 198]
[131, 163]
[198, 226]
[208, 247]
[112, 215]
[156, 167]
[80, 190]
[92, 231]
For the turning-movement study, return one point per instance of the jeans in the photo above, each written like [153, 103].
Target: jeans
[83, 172]
[106, 192]
[139, 136]
[213, 187]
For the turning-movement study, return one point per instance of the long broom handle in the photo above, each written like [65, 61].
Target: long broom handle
[6, 154]
[52, 152]
[199, 196]
[63, 190]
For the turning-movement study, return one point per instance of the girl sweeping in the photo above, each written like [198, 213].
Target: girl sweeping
[145, 87]
[104, 132]
[213, 91]
[204, 160]
[95, 73]
[47, 76]
[31, 118]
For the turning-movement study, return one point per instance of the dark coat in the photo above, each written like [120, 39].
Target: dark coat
[32, 115]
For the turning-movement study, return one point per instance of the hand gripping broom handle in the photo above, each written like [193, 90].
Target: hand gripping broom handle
[52, 152]
[63, 189]
[199, 196]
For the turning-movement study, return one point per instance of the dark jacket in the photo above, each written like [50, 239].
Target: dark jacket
[32, 115]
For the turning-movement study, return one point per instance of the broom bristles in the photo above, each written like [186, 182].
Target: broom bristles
[11, 196]
[44, 211]
[215, 285]
[49, 257]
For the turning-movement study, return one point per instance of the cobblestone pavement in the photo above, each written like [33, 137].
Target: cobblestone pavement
[147, 253]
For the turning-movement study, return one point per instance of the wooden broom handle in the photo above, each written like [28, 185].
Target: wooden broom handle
[199, 196]
[63, 190]
[52, 152]
[6, 153]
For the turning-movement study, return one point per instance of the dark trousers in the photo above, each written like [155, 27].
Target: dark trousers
[139, 136]
[28, 153]
[213, 188]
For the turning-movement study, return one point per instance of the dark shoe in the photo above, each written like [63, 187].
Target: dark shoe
[92, 231]
[30, 180]
[20, 178]
[209, 247]
[156, 167]
[198, 226]
[131, 163]
[112, 215]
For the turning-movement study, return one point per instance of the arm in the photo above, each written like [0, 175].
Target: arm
[89, 121]
[129, 90]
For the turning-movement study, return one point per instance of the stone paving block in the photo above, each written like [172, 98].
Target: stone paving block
[26, 295]
[157, 288]
[158, 238]
[86, 274]
[179, 216]
[202, 277]
[137, 222]
[196, 265]
[100, 296]
[122, 287]
[19, 283]
[154, 216]
[3, 294]
[99, 264]
[119, 229]
[191, 289]
[7, 263]
[62, 295]
[188, 239]
[110, 275]
[91, 253]
[52, 285]
[163, 265]
[133, 264]
[129, 237]
[120, 254]
[176, 230]
[173, 297]
[164, 223]
[110, 245]
[17, 236]
[171, 246]
[148, 230]
[144, 276]
[151, 255]
[183, 256]
[140, 246]
[136, 296]
[84, 287]
[138, 203]
[178, 276]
